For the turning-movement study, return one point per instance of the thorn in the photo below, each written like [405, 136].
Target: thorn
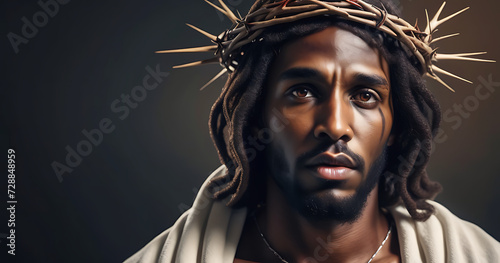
[463, 56]
[435, 22]
[239, 15]
[431, 23]
[193, 49]
[438, 79]
[438, 13]
[224, 70]
[218, 8]
[438, 70]
[197, 63]
[428, 28]
[452, 15]
[444, 37]
[229, 13]
[212, 37]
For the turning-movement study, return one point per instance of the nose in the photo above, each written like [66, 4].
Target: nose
[333, 119]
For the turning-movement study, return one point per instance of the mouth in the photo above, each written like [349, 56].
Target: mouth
[332, 167]
[338, 173]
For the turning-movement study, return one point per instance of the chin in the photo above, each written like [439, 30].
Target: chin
[332, 206]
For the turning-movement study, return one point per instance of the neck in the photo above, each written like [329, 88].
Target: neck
[297, 238]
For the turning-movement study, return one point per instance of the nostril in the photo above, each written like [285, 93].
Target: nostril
[324, 133]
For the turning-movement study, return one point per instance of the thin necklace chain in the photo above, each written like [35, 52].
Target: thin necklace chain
[383, 242]
[284, 261]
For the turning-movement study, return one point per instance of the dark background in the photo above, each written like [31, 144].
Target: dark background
[145, 172]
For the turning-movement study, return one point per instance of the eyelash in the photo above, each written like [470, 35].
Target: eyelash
[365, 104]
[293, 91]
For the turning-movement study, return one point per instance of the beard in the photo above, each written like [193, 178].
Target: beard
[313, 197]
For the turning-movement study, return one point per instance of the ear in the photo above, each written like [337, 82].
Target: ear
[391, 139]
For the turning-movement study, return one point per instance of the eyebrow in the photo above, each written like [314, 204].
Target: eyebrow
[310, 73]
[299, 73]
[371, 80]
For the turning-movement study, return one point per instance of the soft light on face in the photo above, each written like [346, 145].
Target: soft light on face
[334, 91]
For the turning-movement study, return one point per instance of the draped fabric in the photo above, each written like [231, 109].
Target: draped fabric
[209, 232]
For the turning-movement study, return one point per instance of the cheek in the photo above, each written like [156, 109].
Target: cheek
[290, 129]
[372, 129]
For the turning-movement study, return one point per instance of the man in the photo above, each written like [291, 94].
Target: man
[324, 128]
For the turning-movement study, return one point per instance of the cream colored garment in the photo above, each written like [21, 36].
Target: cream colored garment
[209, 232]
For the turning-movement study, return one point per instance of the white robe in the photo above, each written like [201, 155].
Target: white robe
[209, 232]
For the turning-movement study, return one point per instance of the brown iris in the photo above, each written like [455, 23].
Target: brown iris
[365, 96]
[301, 92]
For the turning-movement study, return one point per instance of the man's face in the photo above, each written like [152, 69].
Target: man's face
[334, 92]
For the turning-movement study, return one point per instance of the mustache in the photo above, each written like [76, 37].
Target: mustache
[337, 147]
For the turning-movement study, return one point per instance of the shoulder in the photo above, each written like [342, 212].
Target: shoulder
[155, 248]
[444, 236]
[189, 233]
[151, 251]
[467, 236]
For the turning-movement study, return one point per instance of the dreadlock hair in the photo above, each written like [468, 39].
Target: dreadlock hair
[416, 117]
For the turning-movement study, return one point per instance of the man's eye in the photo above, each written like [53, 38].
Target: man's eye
[302, 92]
[366, 99]
[365, 96]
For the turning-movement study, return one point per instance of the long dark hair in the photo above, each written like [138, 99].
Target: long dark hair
[416, 117]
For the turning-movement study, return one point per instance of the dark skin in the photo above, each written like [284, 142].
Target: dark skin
[333, 89]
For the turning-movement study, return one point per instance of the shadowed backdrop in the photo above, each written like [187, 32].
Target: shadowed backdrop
[71, 72]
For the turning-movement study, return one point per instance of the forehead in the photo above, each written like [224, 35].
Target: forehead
[332, 51]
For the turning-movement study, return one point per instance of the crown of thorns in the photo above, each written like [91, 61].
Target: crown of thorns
[227, 46]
